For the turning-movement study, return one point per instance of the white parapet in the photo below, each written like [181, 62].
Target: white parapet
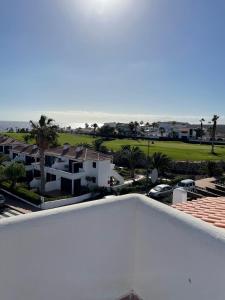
[103, 249]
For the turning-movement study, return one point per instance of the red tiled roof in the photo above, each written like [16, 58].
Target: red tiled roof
[4, 140]
[70, 152]
[209, 209]
[73, 152]
[26, 149]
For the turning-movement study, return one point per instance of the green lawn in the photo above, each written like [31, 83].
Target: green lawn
[175, 150]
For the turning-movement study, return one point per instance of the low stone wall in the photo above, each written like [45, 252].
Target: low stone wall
[192, 167]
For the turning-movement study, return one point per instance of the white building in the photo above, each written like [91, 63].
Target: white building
[176, 130]
[68, 168]
[7, 143]
[108, 249]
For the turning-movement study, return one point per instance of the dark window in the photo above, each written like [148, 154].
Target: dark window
[94, 179]
[94, 164]
[29, 160]
[50, 177]
[15, 155]
[75, 166]
[49, 161]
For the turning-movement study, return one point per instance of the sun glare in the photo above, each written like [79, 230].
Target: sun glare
[103, 7]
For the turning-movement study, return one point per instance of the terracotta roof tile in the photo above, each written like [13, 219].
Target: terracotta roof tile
[209, 209]
[30, 150]
[73, 152]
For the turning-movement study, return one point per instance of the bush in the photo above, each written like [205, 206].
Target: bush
[22, 192]
[213, 169]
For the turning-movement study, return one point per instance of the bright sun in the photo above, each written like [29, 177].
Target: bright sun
[105, 6]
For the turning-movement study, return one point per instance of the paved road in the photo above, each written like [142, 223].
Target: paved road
[18, 205]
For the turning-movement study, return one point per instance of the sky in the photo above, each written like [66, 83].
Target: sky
[105, 60]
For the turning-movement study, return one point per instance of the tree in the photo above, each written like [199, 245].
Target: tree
[98, 146]
[201, 123]
[213, 169]
[86, 125]
[160, 161]
[107, 131]
[136, 126]
[132, 156]
[4, 158]
[214, 127]
[155, 125]
[199, 132]
[95, 126]
[162, 131]
[45, 134]
[26, 138]
[14, 172]
[132, 127]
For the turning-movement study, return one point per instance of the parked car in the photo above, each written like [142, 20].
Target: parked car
[161, 191]
[2, 201]
[187, 184]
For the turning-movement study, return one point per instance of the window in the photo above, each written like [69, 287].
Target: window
[94, 165]
[94, 179]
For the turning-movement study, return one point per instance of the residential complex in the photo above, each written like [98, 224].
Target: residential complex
[68, 169]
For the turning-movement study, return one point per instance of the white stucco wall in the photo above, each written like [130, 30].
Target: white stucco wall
[77, 252]
[103, 249]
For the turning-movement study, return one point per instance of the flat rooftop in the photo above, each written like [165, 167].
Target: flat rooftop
[125, 247]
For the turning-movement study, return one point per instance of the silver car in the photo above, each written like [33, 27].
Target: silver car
[2, 201]
[161, 191]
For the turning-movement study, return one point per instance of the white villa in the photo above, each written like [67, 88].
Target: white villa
[68, 168]
[124, 248]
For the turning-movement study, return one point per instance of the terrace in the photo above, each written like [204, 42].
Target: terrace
[111, 249]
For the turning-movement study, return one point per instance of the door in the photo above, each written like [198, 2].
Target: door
[66, 186]
[77, 187]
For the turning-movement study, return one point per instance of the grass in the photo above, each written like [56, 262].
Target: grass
[175, 150]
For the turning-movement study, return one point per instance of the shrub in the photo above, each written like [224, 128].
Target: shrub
[22, 192]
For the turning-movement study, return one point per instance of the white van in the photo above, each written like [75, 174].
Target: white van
[186, 184]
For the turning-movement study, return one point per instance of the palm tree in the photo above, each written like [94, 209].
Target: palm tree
[201, 123]
[214, 127]
[162, 131]
[99, 147]
[160, 161]
[95, 126]
[14, 172]
[136, 125]
[132, 156]
[45, 134]
[131, 126]
[155, 125]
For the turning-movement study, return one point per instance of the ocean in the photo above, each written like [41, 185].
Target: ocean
[6, 125]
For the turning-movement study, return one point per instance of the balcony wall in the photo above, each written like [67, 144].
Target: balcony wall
[103, 249]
